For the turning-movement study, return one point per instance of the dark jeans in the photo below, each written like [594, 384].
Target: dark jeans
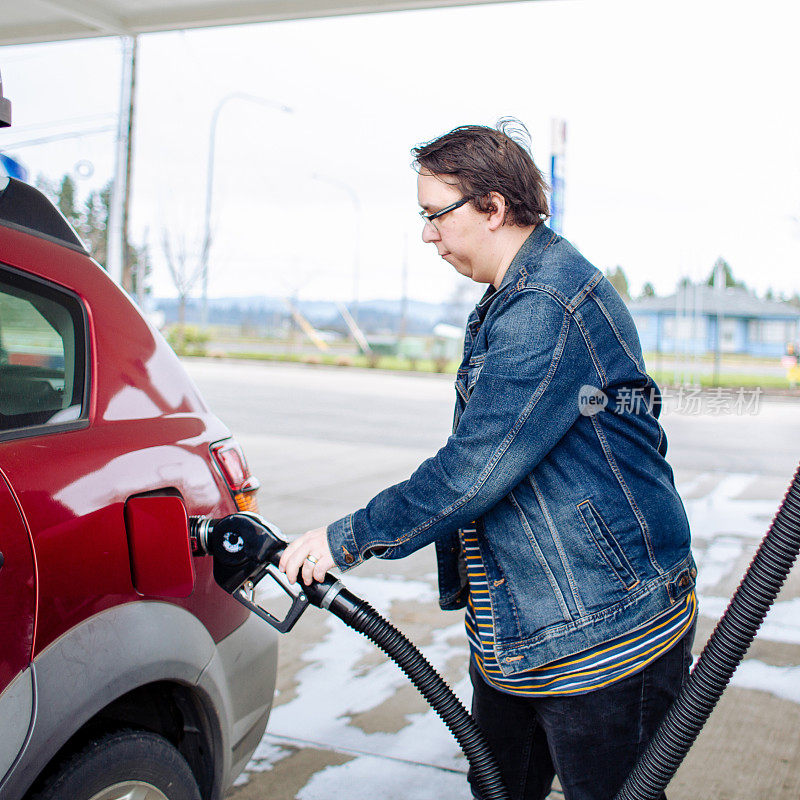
[591, 741]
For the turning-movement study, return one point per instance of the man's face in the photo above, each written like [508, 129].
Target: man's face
[459, 235]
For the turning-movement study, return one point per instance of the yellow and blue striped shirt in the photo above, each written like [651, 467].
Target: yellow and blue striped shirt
[584, 672]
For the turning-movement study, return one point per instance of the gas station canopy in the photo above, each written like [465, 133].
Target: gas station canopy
[52, 20]
[32, 21]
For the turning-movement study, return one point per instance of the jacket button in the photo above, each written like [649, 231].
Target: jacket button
[348, 559]
[693, 572]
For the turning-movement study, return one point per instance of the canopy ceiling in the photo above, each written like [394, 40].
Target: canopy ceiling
[27, 21]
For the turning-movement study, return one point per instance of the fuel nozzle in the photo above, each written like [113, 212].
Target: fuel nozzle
[245, 548]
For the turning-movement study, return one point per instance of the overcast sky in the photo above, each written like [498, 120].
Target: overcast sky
[683, 136]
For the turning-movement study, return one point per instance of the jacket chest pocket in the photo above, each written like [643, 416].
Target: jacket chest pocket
[473, 370]
[608, 546]
[468, 376]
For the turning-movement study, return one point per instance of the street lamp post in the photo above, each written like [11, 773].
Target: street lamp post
[212, 139]
[351, 192]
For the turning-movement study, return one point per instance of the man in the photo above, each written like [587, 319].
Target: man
[553, 511]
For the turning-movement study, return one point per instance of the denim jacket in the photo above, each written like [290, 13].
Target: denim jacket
[558, 457]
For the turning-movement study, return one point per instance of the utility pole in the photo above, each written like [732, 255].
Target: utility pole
[719, 295]
[120, 193]
[404, 290]
[127, 275]
[5, 108]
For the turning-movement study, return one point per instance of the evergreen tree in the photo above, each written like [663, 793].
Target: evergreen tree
[47, 187]
[648, 290]
[619, 281]
[730, 281]
[66, 201]
[91, 222]
[94, 224]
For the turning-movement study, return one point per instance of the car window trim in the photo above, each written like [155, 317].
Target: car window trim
[14, 226]
[43, 430]
[56, 289]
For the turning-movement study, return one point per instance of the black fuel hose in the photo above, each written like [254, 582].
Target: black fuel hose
[245, 548]
[359, 615]
[725, 649]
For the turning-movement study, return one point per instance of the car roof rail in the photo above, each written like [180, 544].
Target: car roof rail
[24, 206]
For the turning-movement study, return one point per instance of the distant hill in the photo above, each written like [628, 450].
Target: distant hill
[265, 314]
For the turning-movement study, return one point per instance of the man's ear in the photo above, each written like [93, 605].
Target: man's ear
[497, 210]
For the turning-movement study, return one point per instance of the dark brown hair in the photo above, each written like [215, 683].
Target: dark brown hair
[484, 160]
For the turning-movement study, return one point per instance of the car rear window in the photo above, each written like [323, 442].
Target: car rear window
[42, 355]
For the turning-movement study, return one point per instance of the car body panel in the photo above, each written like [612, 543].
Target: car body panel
[83, 615]
[99, 660]
[78, 525]
[149, 430]
[17, 713]
[17, 589]
[240, 678]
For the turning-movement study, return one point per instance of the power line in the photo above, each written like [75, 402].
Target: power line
[57, 137]
[109, 115]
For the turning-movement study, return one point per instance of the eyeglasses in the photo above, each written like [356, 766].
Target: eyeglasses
[426, 218]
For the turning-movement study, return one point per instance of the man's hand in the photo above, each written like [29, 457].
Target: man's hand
[308, 555]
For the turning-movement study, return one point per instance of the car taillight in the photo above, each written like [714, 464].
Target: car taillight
[232, 464]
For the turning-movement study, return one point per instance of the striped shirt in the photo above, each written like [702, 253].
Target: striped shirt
[584, 672]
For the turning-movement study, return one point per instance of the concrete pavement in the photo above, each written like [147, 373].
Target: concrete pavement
[346, 723]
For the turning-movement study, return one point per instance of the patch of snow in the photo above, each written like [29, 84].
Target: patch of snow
[781, 625]
[783, 682]
[266, 756]
[720, 512]
[366, 777]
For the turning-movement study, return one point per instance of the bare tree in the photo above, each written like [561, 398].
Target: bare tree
[458, 304]
[184, 277]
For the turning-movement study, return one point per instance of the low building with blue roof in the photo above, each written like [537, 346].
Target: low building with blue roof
[692, 319]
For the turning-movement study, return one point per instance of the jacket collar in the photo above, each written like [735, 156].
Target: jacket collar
[528, 255]
[532, 248]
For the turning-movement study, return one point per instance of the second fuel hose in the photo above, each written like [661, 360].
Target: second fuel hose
[725, 649]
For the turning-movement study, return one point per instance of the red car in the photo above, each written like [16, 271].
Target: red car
[125, 671]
